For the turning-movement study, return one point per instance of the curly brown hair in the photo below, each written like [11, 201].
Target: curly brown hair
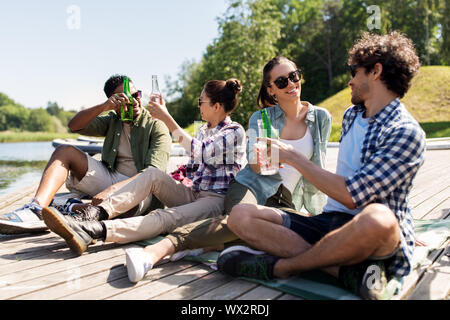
[394, 51]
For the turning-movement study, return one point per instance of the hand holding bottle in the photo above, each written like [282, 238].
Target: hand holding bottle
[158, 110]
[115, 101]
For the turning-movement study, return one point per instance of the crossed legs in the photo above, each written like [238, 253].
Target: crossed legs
[372, 233]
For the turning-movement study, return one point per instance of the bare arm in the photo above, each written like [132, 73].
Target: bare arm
[329, 183]
[84, 117]
[159, 111]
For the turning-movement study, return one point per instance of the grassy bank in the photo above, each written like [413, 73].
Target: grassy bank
[428, 100]
[25, 136]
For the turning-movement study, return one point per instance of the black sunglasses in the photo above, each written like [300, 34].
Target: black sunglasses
[353, 68]
[200, 102]
[137, 94]
[282, 82]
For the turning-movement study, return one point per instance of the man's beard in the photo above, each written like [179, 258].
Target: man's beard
[356, 96]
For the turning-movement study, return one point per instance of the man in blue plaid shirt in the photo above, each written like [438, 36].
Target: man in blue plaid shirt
[365, 234]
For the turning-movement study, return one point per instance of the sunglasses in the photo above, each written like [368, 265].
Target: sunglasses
[353, 68]
[200, 102]
[282, 82]
[137, 94]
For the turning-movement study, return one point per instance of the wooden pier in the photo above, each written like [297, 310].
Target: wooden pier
[40, 266]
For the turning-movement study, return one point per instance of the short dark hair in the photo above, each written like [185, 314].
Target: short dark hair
[112, 83]
[265, 100]
[395, 52]
[224, 92]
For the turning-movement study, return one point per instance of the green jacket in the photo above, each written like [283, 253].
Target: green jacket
[150, 140]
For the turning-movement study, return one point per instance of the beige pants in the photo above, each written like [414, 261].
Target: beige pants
[97, 179]
[184, 206]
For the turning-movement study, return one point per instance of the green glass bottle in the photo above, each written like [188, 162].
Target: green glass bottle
[269, 130]
[127, 115]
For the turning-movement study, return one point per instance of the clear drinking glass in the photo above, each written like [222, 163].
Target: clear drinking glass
[268, 167]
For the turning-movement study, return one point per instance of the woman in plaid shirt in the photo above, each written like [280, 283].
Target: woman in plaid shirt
[365, 234]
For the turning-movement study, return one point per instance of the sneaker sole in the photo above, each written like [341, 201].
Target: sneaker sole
[241, 248]
[53, 220]
[11, 227]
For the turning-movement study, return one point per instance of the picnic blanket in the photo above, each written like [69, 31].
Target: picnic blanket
[317, 285]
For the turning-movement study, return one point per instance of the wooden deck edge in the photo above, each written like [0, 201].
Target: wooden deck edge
[10, 198]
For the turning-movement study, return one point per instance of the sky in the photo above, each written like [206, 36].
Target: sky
[64, 51]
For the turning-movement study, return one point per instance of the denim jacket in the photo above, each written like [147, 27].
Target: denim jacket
[305, 194]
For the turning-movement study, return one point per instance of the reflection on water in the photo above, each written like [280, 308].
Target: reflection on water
[21, 164]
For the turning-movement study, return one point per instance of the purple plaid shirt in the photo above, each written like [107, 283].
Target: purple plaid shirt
[217, 155]
[392, 153]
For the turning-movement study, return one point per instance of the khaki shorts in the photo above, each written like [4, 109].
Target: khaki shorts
[98, 177]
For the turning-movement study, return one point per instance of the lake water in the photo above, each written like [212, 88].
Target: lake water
[22, 164]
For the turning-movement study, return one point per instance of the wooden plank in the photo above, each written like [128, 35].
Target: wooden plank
[9, 258]
[424, 190]
[435, 284]
[228, 291]
[411, 280]
[123, 285]
[10, 241]
[261, 293]
[428, 205]
[75, 280]
[432, 165]
[18, 283]
[40, 258]
[9, 199]
[30, 246]
[163, 285]
[428, 190]
[288, 296]
[196, 288]
[442, 211]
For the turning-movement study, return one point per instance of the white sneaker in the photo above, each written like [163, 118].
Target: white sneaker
[181, 254]
[138, 262]
[23, 220]
[241, 248]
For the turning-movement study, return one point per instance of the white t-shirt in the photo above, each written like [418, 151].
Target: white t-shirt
[124, 161]
[305, 146]
[349, 159]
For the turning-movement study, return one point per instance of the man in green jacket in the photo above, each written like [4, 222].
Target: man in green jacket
[128, 149]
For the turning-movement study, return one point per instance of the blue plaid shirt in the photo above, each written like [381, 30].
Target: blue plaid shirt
[392, 153]
[217, 155]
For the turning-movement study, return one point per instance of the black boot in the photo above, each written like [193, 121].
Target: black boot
[90, 213]
[78, 234]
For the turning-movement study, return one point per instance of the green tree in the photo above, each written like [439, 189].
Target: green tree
[445, 32]
[13, 117]
[5, 100]
[248, 33]
[53, 109]
[316, 34]
[40, 120]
